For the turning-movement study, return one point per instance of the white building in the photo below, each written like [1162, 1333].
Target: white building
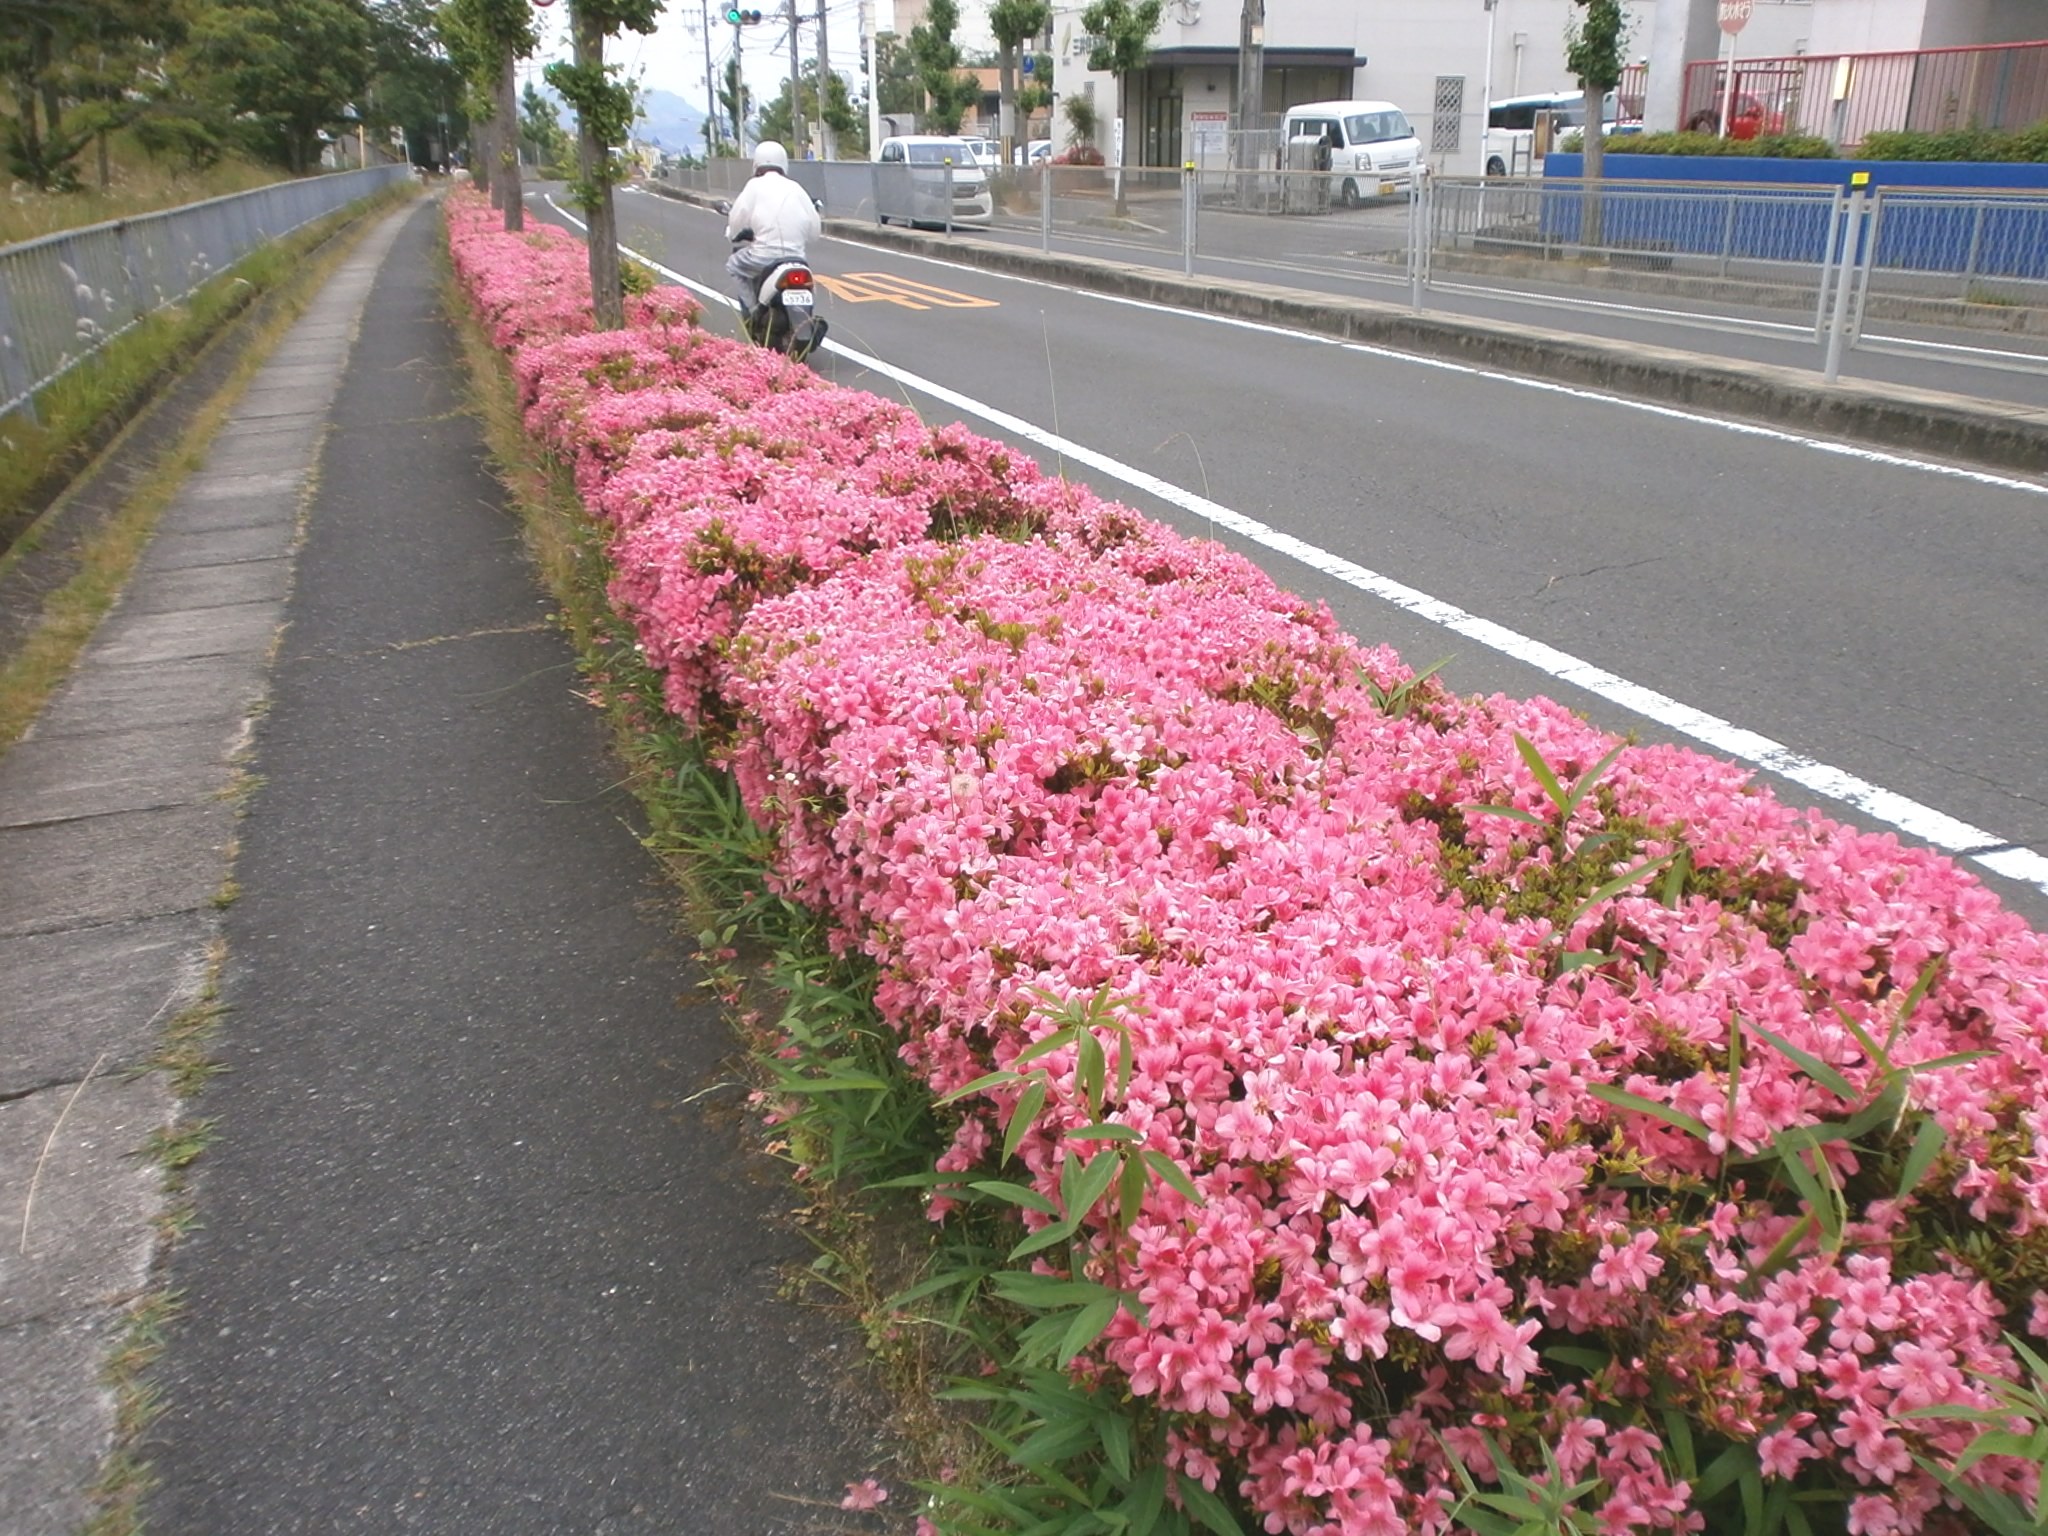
[1441, 60]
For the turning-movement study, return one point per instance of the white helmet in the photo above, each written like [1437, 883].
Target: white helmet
[770, 156]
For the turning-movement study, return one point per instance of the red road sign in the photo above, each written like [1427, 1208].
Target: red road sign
[1735, 15]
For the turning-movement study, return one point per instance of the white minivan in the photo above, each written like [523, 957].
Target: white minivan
[916, 171]
[1373, 149]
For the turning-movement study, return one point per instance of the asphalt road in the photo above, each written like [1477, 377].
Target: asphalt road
[1358, 254]
[1878, 616]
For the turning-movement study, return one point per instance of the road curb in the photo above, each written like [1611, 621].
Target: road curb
[1965, 427]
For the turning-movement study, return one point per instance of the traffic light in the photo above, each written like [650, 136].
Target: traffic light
[739, 18]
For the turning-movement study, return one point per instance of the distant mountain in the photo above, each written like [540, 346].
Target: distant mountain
[670, 121]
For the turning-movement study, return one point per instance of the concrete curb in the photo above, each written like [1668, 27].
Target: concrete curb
[1987, 432]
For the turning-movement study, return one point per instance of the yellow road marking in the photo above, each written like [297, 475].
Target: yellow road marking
[887, 288]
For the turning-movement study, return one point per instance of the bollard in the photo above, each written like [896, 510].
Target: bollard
[1188, 203]
[949, 195]
[1045, 208]
[1851, 259]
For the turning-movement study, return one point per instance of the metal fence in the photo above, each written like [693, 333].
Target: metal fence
[1846, 97]
[65, 296]
[1717, 256]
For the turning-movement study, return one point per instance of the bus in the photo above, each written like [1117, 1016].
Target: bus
[1521, 130]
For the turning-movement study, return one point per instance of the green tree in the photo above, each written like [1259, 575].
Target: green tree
[1123, 32]
[604, 116]
[1015, 23]
[839, 114]
[283, 69]
[900, 89]
[735, 101]
[947, 92]
[1594, 45]
[415, 84]
[488, 38]
[541, 126]
[76, 70]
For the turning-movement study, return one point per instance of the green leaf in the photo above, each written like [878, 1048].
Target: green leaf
[1090, 1071]
[1022, 1115]
[985, 1081]
[1673, 889]
[1147, 1497]
[1542, 770]
[850, 1082]
[1131, 1191]
[1206, 1507]
[1086, 1327]
[1723, 1470]
[1678, 1437]
[1094, 1182]
[1589, 778]
[1816, 1185]
[1058, 1040]
[1107, 1130]
[1615, 887]
[1167, 1170]
[1016, 1194]
[1512, 812]
[1621, 1098]
[1045, 1237]
[1580, 959]
[1927, 1145]
[1811, 1065]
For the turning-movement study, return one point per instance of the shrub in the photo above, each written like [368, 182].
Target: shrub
[1080, 154]
[1992, 145]
[1785, 146]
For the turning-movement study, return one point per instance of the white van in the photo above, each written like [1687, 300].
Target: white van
[1373, 150]
[916, 171]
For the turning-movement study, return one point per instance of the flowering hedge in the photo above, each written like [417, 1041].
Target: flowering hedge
[1502, 1086]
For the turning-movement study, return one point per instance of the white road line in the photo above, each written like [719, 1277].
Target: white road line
[1932, 826]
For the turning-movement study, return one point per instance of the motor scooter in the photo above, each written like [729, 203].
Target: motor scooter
[785, 316]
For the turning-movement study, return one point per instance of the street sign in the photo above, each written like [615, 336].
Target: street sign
[1030, 64]
[1734, 15]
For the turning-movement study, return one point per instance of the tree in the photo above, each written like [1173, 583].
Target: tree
[1123, 33]
[736, 101]
[604, 116]
[899, 89]
[839, 114]
[1593, 45]
[284, 69]
[947, 92]
[489, 38]
[1015, 23]
[76, 69]
[416, 86]
[541, 126]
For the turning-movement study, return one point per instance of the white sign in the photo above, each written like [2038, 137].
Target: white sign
[1116, 140]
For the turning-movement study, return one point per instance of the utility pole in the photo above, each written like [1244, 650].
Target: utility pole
[1251, 73]
[824, 87]
[867, 25]
[710, 91]
[796, 100]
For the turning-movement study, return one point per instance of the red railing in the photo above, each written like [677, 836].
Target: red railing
[1846, 97]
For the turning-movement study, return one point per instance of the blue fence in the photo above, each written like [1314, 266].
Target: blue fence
[1976, 219]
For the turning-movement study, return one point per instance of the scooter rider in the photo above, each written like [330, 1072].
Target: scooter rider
[781, 216]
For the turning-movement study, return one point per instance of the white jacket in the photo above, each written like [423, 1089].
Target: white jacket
[778, 211]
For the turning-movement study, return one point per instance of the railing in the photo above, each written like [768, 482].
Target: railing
[67, 295]
[1718, 255]
[1845, 98]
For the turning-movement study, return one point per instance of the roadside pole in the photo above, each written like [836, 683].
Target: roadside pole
[867, 26]
[1847, 267]
[1189, 200]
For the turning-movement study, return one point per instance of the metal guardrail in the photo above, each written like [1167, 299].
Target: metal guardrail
[1942, 258]
[65, 296]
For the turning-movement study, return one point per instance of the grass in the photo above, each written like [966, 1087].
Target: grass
[73, 611]
[138, 184]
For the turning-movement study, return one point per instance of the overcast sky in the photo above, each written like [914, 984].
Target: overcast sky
[672, 59]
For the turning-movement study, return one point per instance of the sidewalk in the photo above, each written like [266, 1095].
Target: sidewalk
[481, 1242]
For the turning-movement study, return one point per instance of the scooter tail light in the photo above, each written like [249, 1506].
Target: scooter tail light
[795, 278]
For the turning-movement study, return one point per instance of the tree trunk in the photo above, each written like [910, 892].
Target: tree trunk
[106, 169]
[1590, 231]
[480, 156]
[511, 199]
[607, 300]
[1121, 143]
[1006, 113]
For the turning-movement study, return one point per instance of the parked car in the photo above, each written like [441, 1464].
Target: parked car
[984, 152]
[1037, 152]
[1372, 149]
[915, 191]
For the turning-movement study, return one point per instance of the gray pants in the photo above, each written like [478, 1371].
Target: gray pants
[750, 263]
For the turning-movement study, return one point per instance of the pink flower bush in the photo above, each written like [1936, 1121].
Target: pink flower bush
[1464, 1076]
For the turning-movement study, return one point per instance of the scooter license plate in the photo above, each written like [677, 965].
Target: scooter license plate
[796, 298]
[1386, 189]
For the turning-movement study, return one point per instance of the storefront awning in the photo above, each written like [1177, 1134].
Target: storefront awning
[1276, 58]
